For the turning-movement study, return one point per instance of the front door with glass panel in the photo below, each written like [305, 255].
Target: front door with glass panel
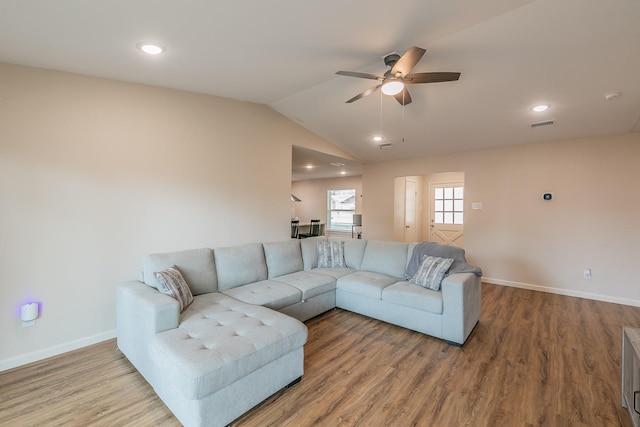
[447, 214]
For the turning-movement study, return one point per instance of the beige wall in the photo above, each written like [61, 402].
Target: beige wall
[94, 174]
[519, 239]
[313, 193]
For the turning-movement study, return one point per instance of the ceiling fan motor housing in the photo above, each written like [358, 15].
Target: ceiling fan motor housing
[391, 59]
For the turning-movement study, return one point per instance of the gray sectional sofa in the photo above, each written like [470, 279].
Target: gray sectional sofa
[242, 337]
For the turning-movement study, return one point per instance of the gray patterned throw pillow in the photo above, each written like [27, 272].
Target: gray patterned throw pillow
[431, 272]
[331, 255]
[171, 282]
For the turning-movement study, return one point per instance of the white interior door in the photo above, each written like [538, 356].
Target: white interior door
[410, 210]
[446, 222]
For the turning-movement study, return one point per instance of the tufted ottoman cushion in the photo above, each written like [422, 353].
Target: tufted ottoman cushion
[220, 340]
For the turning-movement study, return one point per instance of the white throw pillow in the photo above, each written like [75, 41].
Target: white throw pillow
[331, 255]
[171, 282]
[431, 272]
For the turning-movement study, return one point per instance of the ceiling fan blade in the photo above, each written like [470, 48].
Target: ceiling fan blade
[363, 94]
[407, 61]
[431, 77]
[404, 98]
[359, 75]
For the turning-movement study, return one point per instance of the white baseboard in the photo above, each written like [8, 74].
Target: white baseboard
[35, 356]
[586, 295]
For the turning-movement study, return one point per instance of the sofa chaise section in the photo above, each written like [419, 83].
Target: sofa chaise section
[220, 356]
[142, 311]
[222, 341]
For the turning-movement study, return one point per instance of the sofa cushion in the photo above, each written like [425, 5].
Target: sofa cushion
[414, 296]
[196, 265]
[310, 251]
[411, 248]
[310, 284]
[220, 340]
[353, 252]
[170, 282]
[267, 293]
[240, 265]
[388, 258]
[365, 283]
[431, 272]
[336, 273]
[282, 258]
[331, 254]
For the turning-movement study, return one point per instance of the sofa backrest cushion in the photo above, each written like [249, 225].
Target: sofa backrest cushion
[239, 265]
[196, 265]
[309, 248]
[353, 251]
[388, 258]
[283, 257]
[410, 250]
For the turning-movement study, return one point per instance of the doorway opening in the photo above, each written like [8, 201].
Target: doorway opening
[430, 207]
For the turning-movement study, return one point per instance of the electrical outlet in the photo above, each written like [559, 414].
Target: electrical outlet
[587, 273]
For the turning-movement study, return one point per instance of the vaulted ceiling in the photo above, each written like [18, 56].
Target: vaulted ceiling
[513, 54]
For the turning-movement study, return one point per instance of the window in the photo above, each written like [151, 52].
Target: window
[341, 207]
[448, 205]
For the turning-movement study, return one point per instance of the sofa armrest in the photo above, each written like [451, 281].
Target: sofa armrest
[141, 313]
[461, 305]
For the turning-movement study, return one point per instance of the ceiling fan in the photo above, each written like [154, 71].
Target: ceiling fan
[394, 82]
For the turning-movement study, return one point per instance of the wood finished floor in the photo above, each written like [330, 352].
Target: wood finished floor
[535, 359]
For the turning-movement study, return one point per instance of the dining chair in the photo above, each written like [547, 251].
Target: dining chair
[314, 230]
[295, 224]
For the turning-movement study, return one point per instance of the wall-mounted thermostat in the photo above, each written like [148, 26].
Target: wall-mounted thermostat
[547, 196]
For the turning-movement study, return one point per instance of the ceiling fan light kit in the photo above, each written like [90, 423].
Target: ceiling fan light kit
[394, 82]
[392, 87]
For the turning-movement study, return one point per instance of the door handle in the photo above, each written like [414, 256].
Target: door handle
[407, 226]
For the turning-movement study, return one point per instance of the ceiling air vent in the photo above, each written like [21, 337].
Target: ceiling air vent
[539, 124]
[387, 145]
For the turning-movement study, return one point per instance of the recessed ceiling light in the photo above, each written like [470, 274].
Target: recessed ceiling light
[151, 49]
[309, 166]
[611, 95]
[343, 173]
[377, 138]
[540, 108]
